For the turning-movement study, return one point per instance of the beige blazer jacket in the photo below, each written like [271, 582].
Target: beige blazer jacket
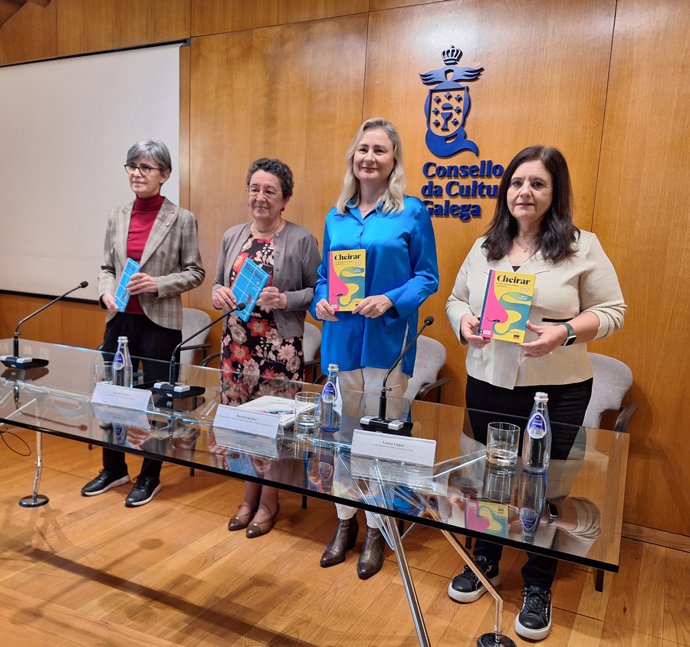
[171, 256]
[586, 281]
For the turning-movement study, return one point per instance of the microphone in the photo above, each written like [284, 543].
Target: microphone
[174, 389]
[15, 361]
[381, 422]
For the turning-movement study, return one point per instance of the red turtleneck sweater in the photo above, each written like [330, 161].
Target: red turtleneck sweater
[144, 214]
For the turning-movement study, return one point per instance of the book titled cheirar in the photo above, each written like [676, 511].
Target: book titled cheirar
[506, 306]
[346, 276]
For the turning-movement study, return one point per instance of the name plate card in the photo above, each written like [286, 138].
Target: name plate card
[121, 396]
[418, 451]
[250, 422]
[120, 416]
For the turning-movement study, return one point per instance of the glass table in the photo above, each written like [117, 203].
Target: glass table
[579, 501]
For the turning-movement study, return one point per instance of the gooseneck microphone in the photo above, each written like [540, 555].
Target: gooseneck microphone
[15, 361]
[178, 390]
[382, 422]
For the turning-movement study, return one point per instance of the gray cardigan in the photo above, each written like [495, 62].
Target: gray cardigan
[296, 263]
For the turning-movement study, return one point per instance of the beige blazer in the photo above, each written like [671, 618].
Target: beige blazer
[586, 281]
[171, 256]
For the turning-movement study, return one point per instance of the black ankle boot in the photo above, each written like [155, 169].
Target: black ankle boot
[343, 540]
[371, 557]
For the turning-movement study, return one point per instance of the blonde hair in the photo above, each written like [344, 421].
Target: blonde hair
[393, 196]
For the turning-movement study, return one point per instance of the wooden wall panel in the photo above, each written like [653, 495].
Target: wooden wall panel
[283, 92]
[71, 323]
[92, 26]
[29, 35]
[217, 16]
[538, 79]
[643, 218]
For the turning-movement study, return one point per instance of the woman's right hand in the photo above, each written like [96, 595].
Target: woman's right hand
[469, 327]
[109, 302]
[324, 311]
[223, 299]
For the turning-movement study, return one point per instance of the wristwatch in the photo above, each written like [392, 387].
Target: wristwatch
[570, 339]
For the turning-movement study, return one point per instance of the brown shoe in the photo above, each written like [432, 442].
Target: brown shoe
[241, 521]
[258, 528]
[371, 557]
[343, 540]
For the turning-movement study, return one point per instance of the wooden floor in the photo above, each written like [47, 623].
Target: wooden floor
[91, 572]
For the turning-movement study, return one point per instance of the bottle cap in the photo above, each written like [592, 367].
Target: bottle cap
[122, 339]
[332, 367]
[540, 396]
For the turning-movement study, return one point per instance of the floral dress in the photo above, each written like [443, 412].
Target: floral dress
[253, 355]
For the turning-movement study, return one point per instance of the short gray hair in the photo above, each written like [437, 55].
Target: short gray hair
[154, 150]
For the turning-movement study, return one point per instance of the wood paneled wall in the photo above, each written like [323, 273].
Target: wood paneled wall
[603, 80]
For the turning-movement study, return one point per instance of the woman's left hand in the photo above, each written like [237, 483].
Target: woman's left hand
[550, 337]
[140, 283]
[373, 306]
[271, 298]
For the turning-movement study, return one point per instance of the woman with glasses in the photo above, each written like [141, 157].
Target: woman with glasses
[162, 238]
[269, 344]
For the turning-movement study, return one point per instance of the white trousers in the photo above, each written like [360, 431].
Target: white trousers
[370, 381]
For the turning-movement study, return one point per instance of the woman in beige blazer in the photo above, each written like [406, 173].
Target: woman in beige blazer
[577, 298]
[162, 238]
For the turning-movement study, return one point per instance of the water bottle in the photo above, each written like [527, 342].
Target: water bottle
[331, 401]
[531, 500]
[122, 364]
[536, 443]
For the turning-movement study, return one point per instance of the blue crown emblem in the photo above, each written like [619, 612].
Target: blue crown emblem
[448, 104]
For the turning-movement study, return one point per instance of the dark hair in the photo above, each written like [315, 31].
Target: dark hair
[557, 231]
[274, 167]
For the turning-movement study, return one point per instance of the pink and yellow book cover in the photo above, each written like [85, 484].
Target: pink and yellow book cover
[487, 516]
[506, 307]
[346, 275]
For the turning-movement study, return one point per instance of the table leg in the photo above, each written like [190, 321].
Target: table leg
[412, 600]
[35, 499]
[495, 638]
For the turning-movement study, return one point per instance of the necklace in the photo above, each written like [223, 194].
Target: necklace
[527, 250]
[266, 234]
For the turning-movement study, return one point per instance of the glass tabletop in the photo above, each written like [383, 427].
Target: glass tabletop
[572, 512]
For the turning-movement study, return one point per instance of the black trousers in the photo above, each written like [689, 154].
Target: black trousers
[567, 405]
[146, 340]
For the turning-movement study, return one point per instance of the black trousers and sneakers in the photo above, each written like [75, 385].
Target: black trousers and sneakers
[567, 405]
[153, 342]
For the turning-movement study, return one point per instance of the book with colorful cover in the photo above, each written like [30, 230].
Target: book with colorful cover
[346, 279]
[506, 306]
[487, 516]
[121, 295]
[247, 286]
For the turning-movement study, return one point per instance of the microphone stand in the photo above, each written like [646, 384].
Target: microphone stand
[382, 422]
[15, 361]
[173, 390]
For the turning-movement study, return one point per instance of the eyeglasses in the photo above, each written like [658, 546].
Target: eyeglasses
[269, 192]
[144, 169]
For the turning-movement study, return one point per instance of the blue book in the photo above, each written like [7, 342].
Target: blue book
[121, 294]
[249, 282]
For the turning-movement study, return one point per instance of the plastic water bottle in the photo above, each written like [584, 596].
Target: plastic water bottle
[531, 500]
[536, 443]
[331, 401]
[122, 364]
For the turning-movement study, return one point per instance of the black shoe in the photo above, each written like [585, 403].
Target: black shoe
[343, 540]
[371, 557]
[467, 587]
[103, 482]
[145, 489]
[534, 620]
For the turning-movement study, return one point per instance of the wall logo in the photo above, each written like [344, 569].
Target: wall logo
[448, 104]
